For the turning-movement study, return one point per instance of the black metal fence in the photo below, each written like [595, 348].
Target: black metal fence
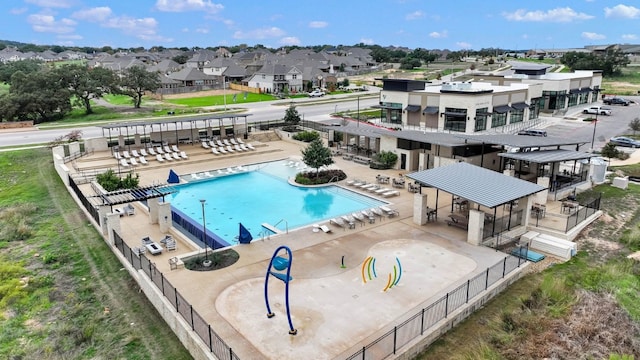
[85, 202]
[584, 211]
[503, 223]
[424, 319]
[214, 342]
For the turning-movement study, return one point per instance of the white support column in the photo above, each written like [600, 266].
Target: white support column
[113, 224]
[153, 210]
[420, 209]
[104, 211]
[164, 217]
[476, 227]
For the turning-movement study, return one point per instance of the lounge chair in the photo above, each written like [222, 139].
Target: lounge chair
[143, 160]
[233, 141]
[159, 150]
[238, 148]
[391, 193]
[377, 211]
[324, 228]
[134, 153]
[170, 244]
[368, 186]
[351, 182]
[243, 147]
[230, 171]
[226, 141]
[205, 145]
[146, 241]
[222, 150]
[134, 162]
[230, 149]
[139, 250]
[240, 168]
[250, 146]
[143, 152]
[359, 216]
[117, 155]
[176, 156]
[167, 149]
[125, 154]
[168, 157]
[175, 148]
[389, 211]
[124, 163]
[152, 151]
[212, 144]
[337, 222]
[208, 174]
[349, 220]
[184, 155]
[159, 158]
[215, 151]
[195, 176]
[219, 143]
[382, 190]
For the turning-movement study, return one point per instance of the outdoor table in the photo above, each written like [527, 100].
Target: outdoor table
[154, 248]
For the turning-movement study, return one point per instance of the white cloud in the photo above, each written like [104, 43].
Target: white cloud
[565, 14]
[525, 36]
[202, 30]
[188, 5]
[142, 28]
[367, 41]
[463, 45]
[51, 3]
[70, 37]
[629, 37]
[418, 14]
[49, 24]
[18, 11]
[185, 30]
[262, 33]
[318, 24]
[290, 40]
[439, 35]
[592, 36]
[622, 12]
[97, 14]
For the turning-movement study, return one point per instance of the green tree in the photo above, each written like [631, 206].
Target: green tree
[39, 96]
[291, 117]
[316, 155]
[26, 66]
[410, 63]
[181, 59]
[86, 84]
[609, 151]
[611, 62]
[635, 125]
[387, 158]
[136, 81]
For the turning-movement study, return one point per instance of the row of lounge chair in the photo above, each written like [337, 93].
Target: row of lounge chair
[363, 217]
[373, 188]
[227, 146]
[230, 149]
[227, 171]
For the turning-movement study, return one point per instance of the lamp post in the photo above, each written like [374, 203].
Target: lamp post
[358, 125]
[593, 137]
[204, 236]
[224, 92]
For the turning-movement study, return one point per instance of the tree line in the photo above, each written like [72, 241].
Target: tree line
[41, 93]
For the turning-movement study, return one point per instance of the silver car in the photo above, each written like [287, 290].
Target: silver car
[624, 141]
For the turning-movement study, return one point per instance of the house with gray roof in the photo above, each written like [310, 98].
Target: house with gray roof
[275, 78]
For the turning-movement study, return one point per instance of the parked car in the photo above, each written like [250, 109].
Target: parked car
[616, 101]
[624, 141]
[532, 132]
[316, 93]
[597, 110]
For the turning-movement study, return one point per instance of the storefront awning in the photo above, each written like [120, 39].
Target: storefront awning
[451, 113]
[430, 110]
[520, 106]
[580, 91]
[412, 108]
[501, 109]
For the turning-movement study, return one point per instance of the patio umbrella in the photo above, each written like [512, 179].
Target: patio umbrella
[173, 177]
[245, 236]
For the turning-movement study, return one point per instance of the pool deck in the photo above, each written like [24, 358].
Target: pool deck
[335, 310]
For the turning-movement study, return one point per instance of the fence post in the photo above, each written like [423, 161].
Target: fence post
[486, 280]
[191, 310]
[395, 337]
[363, 356]
[175, 294]
[504, 266]
[211, 343]
[422, 323]
[230, 353]
[468, 282]
[446, 306]
[162, 282]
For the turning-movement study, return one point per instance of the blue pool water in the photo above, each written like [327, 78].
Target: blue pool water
[260, 194]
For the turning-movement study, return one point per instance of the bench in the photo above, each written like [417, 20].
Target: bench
[361, 160]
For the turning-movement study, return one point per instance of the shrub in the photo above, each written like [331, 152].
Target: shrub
[307, 136]
[384, 160]
[111, 182]
[324, 177]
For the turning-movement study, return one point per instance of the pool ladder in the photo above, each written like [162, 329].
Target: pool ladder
[286, 224]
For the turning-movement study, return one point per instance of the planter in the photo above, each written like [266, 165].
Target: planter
[207, 263]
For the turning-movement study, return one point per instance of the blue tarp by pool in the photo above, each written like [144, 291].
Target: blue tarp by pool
[527, 253]
[245, 236]
[173, 177]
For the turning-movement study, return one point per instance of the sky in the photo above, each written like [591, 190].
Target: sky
[453, 25]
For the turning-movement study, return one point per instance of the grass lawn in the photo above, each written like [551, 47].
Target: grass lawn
[119, 99]
[589, 305]
[217, 100]
[63, 293]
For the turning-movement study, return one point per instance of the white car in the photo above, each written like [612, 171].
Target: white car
[597, 110]
[316, 93]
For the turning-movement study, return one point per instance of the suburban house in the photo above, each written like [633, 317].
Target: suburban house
[275, 78]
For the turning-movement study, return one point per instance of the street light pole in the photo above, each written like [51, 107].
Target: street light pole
[593, 138]
[204, 232]
[224, 92]
[358, 125]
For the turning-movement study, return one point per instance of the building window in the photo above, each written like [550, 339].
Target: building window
[294, 76]
[573, 99]
[455, 119]
[498, 119]
[534, 108]
[481, 119]
[516, 116]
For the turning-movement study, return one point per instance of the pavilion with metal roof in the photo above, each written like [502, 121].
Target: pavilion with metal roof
[126, 196]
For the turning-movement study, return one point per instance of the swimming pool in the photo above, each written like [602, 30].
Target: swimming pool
[260, 194]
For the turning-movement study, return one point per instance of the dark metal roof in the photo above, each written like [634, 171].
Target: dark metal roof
[523, 141]
[412, 108]
[501, 109]
[520, 106]
[548, 156]
[357, 128]
[430, 110]
[479, 185]
[435, 138]
[173, 120]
